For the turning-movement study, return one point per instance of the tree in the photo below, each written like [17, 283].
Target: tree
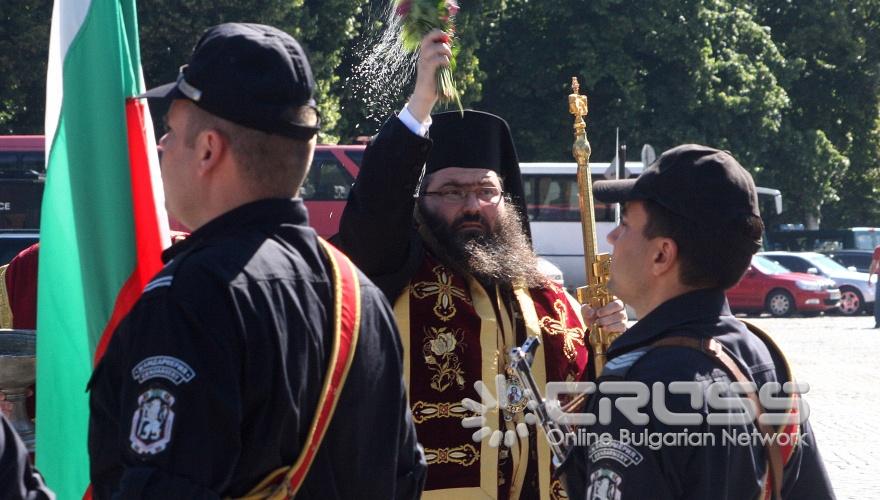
[24, 49]
[835, 91]
[323, 27]
[692, 71]
[366, 103]
[791, 88]
[807, 168]
[169, 30]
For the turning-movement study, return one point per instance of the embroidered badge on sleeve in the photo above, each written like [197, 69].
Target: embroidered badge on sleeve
[167, 367]
[622, 453]
[152, 421]
[604, 485]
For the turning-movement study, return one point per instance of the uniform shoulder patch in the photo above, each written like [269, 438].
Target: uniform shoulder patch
[159, 282]
[152, 422]
[167, 367]
[618, 366]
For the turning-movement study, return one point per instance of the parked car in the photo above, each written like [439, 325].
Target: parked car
[14, 241]
[22, 176]
[854, 260]
[551, 271]
[767, 286]
[856, 294]
[325, 189]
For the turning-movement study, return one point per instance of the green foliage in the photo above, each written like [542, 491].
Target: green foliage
[807, 168]
[359, 119]
[323, 27]
[693, 71]
[420, 17]
[326, 28]
[24, 50]
[835, 92]
[791, 88]
[169, 29]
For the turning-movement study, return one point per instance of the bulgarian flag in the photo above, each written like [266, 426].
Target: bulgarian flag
[103, 221]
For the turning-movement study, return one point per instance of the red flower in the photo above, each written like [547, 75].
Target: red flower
[403, 8]
[452, 7]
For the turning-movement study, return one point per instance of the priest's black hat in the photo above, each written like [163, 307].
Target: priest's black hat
[476, 139]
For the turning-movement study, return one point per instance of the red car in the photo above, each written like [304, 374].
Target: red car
[326, 188]
[22, 174]
[767, 286]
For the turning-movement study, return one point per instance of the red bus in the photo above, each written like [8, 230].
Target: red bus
[23, 174]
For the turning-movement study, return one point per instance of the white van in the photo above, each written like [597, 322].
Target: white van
[551, 192]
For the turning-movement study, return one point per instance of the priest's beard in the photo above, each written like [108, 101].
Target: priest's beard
[501, 255]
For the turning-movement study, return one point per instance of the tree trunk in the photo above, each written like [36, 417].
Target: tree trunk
[812, 220]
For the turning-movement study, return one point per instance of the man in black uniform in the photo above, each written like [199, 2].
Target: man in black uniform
[690, 227]
[212, 381]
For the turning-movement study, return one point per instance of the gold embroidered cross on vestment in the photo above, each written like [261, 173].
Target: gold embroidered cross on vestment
[444, 290]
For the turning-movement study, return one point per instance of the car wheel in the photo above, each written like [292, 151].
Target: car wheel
[779, 303]
[851, 302]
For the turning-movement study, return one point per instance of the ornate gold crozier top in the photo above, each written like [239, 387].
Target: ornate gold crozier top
[579, 107]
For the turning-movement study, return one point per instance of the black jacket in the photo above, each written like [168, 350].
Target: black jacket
[212, 380]
[18, 478]
[377, 229]
[718, 467]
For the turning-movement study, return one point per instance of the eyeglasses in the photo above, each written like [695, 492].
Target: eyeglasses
[455, 196]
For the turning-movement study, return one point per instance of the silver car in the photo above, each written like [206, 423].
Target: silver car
[856, 295]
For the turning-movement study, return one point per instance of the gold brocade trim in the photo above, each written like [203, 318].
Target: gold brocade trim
[423, 411]
[401, 317]
[444, 290]
[439, 353]
[539, 370]
[571, 336]
[557, 492]
[489, 326]
[5, 307]
[464, 455]
[457, 494]
[490, 350]
[522, 464]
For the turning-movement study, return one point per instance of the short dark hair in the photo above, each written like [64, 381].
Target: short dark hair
[710, 257]
[269, 161]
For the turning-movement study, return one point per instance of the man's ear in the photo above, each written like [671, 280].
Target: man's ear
[211, 146]
[665, 256]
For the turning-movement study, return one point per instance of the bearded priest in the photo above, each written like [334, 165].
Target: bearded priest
[436, 220]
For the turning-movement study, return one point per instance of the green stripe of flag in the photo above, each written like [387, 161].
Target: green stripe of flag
[87, 237]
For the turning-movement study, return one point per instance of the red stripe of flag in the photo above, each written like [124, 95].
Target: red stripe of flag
[146, 223]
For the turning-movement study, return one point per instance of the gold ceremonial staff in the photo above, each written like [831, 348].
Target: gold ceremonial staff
[595, 293]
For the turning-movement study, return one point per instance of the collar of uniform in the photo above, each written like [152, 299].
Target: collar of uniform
[260, 212]
[698, 306]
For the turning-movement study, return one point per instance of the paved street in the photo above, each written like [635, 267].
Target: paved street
[839, 357]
